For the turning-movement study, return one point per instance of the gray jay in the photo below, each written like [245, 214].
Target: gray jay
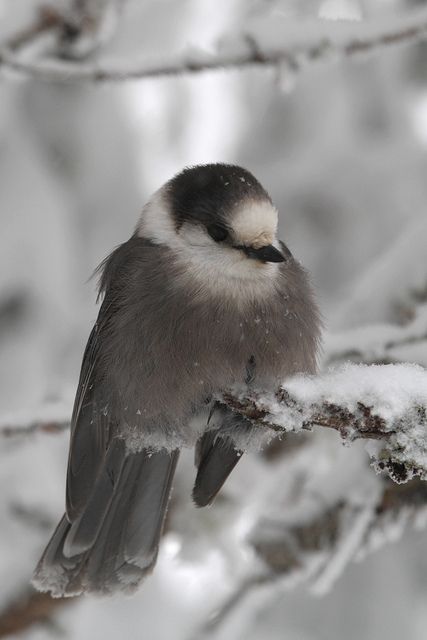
[203, 298]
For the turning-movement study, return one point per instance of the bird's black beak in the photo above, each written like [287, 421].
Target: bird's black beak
[265, 254]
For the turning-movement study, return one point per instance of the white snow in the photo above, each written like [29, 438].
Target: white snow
[342, 152]
[340, 10]
[391, 391]
[394, 394]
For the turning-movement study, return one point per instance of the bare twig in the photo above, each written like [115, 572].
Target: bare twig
[47, 19]
[11, 431]
[31, 608]
[290, 57]
[233, 603]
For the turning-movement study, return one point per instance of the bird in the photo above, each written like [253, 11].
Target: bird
[202, 298]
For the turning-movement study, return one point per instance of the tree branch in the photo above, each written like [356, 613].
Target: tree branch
[383, 403]
[378, 343]
[79, 31]
[47, 19]
[30, 608]
[386, 403]
[38, 426]
[309, 552]
[288, 549]
[228, 608]
[246, 52]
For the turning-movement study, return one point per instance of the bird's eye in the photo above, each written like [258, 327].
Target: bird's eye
[217, 232]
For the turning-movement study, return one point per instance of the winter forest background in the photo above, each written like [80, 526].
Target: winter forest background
[325, 101]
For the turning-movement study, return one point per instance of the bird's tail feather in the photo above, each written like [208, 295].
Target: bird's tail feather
[216, 457]
[114, 542]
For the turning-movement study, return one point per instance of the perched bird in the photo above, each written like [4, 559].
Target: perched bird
[203, 298]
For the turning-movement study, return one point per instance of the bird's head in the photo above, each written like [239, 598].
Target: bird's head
[219, 220]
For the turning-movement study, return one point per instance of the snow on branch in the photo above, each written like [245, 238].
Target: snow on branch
[378, 342]
[386, 404]
[274, 43]
[78, 31]
[337, 534]
[383, 403]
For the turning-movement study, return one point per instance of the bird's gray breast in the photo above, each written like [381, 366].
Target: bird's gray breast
[169, 349]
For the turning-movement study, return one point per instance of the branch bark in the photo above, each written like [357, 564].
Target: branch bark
[38, 426]
[29, 609]
[284, 57]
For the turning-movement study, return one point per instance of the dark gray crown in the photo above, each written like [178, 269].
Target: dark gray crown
[208, 193]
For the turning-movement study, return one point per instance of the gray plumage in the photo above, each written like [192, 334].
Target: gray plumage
[191, 307]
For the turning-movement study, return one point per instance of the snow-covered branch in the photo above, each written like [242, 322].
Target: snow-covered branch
[78, 31]
[288, 549]
[387, 404]
[378, 343]
[288, 48]
[317, 550]
[88, 25]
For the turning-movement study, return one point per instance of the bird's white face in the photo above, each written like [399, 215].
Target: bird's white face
[254, 224]
[226, 259]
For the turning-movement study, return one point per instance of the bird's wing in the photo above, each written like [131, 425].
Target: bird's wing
[91, 430]
[116, 499]
[93, 427]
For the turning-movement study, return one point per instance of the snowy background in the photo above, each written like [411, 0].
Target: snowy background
[306, 541]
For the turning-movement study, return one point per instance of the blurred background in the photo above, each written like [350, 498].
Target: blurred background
[341, 146]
